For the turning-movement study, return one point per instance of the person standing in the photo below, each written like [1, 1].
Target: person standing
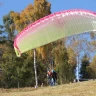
[54, 77]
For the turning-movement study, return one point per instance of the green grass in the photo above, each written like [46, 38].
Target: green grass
[87, 88]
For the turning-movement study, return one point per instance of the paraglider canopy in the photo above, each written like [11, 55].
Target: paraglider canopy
[54, 27]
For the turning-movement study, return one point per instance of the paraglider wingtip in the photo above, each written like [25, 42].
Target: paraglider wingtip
[18, 53]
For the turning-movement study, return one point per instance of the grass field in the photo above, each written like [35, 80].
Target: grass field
[87, 88]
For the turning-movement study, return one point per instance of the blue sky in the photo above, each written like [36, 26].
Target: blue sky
[56, 5]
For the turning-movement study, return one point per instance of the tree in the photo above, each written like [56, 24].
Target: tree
[84, 66]
[72, 62]
[30, 14]
[23, 19]
[64, 65]
[2, 32]
[72, 57]
[9, 25]
[18, 72]
[81, 45]
[41, 9]
[1, 29]
[92, 69]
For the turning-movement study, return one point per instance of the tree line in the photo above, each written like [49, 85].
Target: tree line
[59, 55]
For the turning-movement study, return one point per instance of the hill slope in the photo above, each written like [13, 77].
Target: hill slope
[74, 89]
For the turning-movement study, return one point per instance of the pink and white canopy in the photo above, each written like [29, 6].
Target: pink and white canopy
[54, 27]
